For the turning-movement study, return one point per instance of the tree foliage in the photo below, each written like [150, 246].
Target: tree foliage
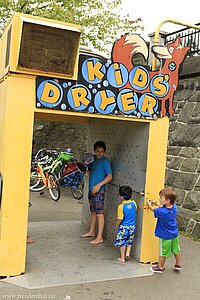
[100, 20]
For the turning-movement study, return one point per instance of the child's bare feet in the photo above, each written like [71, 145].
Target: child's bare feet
[87, 234]
[96, 242]
[122, 260]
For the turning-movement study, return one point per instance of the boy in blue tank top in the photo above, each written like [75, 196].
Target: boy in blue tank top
[166, 228]
[99, 175]
[126, 223]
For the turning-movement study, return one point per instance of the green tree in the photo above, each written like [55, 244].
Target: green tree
[100, 20]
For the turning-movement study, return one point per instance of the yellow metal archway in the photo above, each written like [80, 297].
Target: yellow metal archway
[21, 61]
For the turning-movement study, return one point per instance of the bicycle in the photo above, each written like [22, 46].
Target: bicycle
[64, 172]
[73, 177]
[73, 174]
[47, 176]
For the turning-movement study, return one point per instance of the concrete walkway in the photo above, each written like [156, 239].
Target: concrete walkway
[60, 265]
[59, 256]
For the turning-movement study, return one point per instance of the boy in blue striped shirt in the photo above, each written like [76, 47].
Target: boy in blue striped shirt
[126, 223]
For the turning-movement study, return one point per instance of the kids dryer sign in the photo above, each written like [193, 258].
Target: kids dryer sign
[117, 86]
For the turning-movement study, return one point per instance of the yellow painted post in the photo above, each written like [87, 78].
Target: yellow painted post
[155, 176]
[25, 52]
[17, 115]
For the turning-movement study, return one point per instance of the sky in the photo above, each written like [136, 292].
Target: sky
[153, 12]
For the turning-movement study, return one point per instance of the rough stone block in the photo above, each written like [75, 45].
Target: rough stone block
[190, 66]
[196, 231]
[187, 93]
[175, 163]
[192, 201]
[190, 165]
[186, 113]
[195, 97]
[173, 150]
[183, 218]
[185, 181]
[188, 152]
[180, 196]
[196, 216]
[186, 135]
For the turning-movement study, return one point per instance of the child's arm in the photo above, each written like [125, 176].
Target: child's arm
[118, 223]
[97, 187]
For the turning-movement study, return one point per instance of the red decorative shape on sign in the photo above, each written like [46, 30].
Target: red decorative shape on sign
[170, 56]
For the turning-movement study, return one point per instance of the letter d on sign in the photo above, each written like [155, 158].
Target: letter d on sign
[49, 93]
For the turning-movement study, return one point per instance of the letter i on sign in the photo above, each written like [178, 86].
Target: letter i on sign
[118, 75]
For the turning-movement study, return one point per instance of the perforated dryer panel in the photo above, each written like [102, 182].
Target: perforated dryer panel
[127, 150]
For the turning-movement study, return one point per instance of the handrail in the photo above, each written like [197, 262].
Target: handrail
[156, 38]
[181, 30]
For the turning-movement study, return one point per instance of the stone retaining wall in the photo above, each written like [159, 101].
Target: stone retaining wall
[183, 155]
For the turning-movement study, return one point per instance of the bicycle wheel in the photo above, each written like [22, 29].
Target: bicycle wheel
[53, 186]
[36, 183]
[78, 192]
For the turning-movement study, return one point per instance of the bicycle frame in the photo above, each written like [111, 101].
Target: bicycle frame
[54, 167]
[48, 180]
[44, 176]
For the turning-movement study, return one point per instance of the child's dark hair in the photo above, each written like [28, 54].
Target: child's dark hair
[99, 144]
[168, 193]
[125, 191]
